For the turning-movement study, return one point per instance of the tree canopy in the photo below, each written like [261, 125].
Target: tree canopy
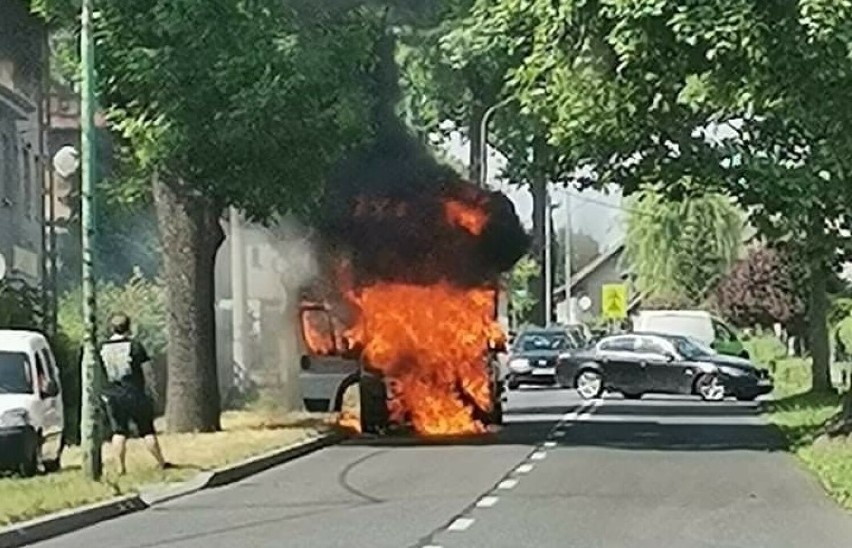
[252, 111]
[759, 290]
[681, 248]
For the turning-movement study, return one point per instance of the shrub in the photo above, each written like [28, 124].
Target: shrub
[766, 350]
[140, 298]
[20, 305]
[759, 290]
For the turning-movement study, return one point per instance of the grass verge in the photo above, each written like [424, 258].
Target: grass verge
[802, 417]
[244, 434]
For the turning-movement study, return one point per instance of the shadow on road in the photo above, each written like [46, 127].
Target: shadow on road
[699, 409]
[659, 436]
[621, 424]
[634, 436]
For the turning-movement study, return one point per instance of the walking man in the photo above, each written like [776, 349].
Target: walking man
[127, 400]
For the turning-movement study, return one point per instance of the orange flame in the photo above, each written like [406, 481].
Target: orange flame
[468, 217]
[318, 330]
[430, 342]
[349, 420]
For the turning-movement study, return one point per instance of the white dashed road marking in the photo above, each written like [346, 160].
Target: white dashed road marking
[487, 502]
[549, 444]
[559, 434]
[524, 469]
[507, 484]
[461, 524]
[539, 455]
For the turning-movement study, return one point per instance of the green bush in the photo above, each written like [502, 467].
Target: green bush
[20, 305]
[140, 298]
[766, 350]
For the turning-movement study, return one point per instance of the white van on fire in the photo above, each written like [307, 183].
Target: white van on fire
[31, 417]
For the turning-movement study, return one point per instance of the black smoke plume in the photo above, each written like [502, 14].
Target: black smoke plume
[384, 208]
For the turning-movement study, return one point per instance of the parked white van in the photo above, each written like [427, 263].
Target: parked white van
[31, 417]
[697, 324]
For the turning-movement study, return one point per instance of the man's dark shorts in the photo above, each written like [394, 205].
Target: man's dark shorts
[130, 406]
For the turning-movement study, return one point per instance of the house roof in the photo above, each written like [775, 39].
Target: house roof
[587, 270]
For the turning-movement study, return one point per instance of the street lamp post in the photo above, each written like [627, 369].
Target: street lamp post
[568, 229]
[483, 140]
[89, 425]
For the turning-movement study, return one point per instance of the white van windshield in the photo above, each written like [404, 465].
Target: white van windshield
[686, 325]
[15, 373]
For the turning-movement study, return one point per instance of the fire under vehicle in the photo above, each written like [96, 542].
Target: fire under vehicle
[332, 368]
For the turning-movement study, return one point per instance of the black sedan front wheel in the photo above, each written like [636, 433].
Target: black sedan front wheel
[710, 387]
[589, 384]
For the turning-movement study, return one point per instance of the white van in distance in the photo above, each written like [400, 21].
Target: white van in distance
[31, 417]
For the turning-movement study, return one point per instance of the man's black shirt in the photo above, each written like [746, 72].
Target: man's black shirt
[122, 359]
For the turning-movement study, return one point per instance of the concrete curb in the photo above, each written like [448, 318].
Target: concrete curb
[53, 525]
[67, 521]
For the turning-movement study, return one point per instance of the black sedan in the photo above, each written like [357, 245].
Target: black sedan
[534, 354]
[639, 363]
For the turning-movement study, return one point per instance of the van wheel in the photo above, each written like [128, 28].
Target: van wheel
[29, 467]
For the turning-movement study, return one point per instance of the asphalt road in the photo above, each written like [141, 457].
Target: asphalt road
[652, 473]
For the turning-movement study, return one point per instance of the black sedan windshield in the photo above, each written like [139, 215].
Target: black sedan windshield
[532, 342]
[14, 373]
[690, 349]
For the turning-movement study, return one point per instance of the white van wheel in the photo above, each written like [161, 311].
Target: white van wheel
[29, 467]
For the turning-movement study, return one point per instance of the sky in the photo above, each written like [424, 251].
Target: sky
[594, 213]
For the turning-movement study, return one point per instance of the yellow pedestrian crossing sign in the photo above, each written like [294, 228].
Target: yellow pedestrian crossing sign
[614, 301]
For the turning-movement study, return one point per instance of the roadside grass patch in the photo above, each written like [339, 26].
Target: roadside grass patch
[244, 434]
[802, 417]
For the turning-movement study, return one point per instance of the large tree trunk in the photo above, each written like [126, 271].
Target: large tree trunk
[191, 234]
[818, 328]
[538, 189]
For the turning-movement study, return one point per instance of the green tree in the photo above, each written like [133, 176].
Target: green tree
[223, 103]
[522, 301]
[681, 248]
[637, 91]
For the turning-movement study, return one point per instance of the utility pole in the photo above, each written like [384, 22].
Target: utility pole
[548, 259]
[239, 311]
[89, 427]
[568, 230]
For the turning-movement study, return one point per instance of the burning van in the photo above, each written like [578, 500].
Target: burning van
[337, 376]
[406, 313]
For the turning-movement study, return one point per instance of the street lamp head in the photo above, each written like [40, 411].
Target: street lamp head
[66, 161]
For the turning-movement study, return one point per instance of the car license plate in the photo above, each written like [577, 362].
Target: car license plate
[544, 371]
